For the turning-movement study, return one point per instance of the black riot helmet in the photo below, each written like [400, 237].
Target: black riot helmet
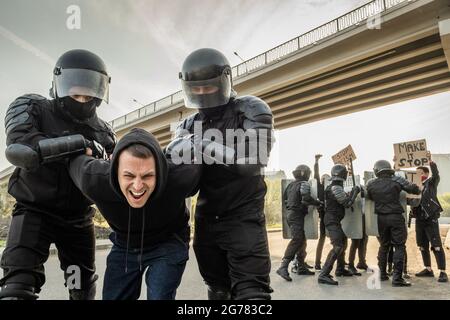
[206, 79]
[339, 173]
[80, 73]
[302, 172]
[382, 166]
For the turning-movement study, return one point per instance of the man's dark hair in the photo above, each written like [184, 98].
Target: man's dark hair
[424, 169]
[139, 151]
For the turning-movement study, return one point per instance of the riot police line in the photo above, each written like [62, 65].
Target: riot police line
[347, 209]
[68, 159]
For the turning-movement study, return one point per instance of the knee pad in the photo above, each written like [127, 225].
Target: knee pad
[424, 249]
[17, 291]
[216, 293]
[252, 293]
[436, 249]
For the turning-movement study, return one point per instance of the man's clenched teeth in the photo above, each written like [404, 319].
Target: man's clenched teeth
[137, 195]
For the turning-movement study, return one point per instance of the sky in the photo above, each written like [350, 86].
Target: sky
[144, 43]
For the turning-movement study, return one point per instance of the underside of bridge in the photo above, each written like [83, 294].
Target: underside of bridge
[409, 71]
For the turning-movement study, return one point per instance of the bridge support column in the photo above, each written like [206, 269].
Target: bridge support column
[444, 31]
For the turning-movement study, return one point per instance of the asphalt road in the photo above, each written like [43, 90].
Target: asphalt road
[303, 287]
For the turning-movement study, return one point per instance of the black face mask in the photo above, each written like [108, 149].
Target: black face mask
[78, 110]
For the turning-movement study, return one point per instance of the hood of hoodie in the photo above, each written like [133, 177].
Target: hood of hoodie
[146, 139]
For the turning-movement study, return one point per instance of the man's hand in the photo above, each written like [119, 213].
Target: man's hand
[429, 156]
[318, 156]
[357, 189]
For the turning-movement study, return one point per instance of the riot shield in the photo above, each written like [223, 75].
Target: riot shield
[286, 230]
[352, 223]
[371, 220]
[311, 219]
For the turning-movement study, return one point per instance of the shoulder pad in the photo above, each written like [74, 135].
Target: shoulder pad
[305, 188]
[17, 112]
[185, 125]
[339, 194]
[401, 181]
[256, 112]
[370, 182]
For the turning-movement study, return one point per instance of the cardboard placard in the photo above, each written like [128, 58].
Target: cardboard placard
[413, 177]
[411, 154]
[344, 156]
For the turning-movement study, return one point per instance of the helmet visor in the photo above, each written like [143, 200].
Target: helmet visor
[82, 82]
[207, 93]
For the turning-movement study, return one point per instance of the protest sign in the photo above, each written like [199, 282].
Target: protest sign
[411, 154]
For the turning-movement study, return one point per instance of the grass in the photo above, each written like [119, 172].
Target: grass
[2, 243]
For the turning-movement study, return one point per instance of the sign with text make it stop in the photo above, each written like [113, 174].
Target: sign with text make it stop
[411, 154]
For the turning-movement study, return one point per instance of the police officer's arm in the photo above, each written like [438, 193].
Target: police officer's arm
[406, 185]
[91, 176]
[342, 197]
[259, 119]
[305, 192]
[27, 146]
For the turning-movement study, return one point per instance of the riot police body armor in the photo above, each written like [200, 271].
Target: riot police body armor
[42, 134]
[385, 190]
[230, 240]
[336, 200]
[298, 198]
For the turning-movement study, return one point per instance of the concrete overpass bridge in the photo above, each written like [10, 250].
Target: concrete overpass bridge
[384, 52]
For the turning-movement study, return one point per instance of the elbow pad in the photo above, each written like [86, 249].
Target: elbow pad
[22, 156]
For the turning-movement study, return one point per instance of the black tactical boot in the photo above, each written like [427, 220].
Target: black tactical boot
[398, 281]
[327, 279]
[304, 271]
[362, 266]
[353, 270]
[384, 276]
[343, 273]
[283, 270]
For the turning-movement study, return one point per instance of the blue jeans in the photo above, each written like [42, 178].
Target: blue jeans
[163, 265]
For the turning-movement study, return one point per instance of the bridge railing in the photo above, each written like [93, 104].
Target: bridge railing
[354, 17]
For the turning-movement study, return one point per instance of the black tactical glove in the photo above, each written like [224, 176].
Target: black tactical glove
[98, 151]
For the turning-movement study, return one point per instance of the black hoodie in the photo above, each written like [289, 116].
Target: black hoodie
[163, 216]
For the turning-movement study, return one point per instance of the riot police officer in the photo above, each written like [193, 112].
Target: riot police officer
[336, 200]
[385, 190]
[230, 240]
[41, 134]
[298, 198]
